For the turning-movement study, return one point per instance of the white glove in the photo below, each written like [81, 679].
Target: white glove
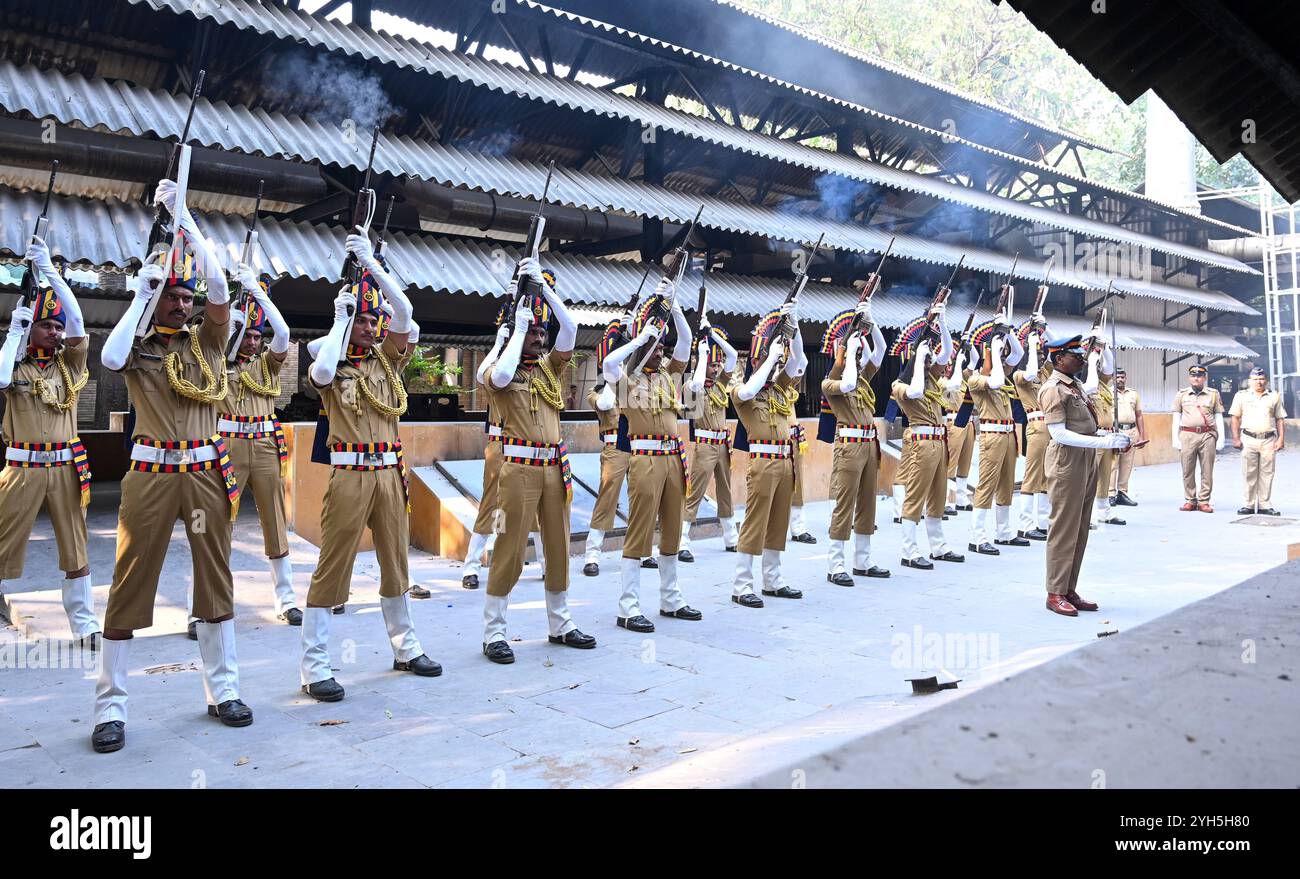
[702, 349]
[863, 310]
[523, 316]
[150, 278]
[248, 281]
[358, 244]
[511, 289]
[852, 346]
[343, 303]
[165, 195]
[648, 333]
[39, 254]
[503, 332]
[664, 288]
[1119, 441]
[1004, 321]
[705, 326]
[940, 310]
[788, 310]
[20, 314]
[530, 267]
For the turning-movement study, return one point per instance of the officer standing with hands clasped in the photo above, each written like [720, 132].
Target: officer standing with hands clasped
[1257, 415]
[1071, 468]
[1198, 433]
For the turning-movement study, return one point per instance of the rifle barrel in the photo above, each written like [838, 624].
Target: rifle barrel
[955, 270]
[189, 117]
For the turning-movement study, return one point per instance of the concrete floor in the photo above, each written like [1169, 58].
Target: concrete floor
[717, 702]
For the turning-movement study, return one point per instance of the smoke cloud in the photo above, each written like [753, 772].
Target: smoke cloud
[327, 89]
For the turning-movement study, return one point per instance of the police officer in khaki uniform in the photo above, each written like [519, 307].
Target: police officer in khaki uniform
[1071, 468]
[361, 389]
[1098, 387]
[764, 405]
[1197, 428]
[535, 483]
[180, 469]
[45, 462]
[856, 455]
[657, 473]
[254, 435]
[997, 432]
[961, 452]
[1258, 429]
[799, 532]
[1035, 507]
[1130, 423]
[920, 391]
[715, 364]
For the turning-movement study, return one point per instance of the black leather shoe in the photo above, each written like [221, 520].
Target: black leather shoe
[649, 563]
[573, 639]
[108, 737]
[500, 652]
[637, 623]
[1114, 520]
[328, 690]
[749, 599]
[421, 665]
[1123, 500]
[418, 591]
[949, 556]
[729, 548]
[232, 712]
[1269, 511]
[966, 508]
[1015, 541]
[949, 511]
[685, 612]
[685, 556]
[984, 548]
[898, 521]
[1246, 511]
[1036, 534]
[192, 630]
[469, 581]
[591, 569]
[873, 571]
[292, 616]
[339, 608]
[783, 592]
[840, 579]
[804, 538]
[918, 563]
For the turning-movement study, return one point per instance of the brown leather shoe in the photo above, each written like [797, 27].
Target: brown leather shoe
[1079, 602]
[1189, 507]
[1205, 508]
[1060, 604]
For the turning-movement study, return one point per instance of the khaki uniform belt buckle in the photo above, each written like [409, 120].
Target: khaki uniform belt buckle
[179, 457]
[44, 457]
[372, 459]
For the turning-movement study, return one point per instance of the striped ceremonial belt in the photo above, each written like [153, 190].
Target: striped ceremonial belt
[927, 432]
[494, 433]
[251, 427]
[997, 426]
[518, 451]
[712, 437]
[187, 456]
[611, 438]
[372, 456]
[43, 455]
[797, 435]
[658, 444]
[855, 433]
[779, 449]
[1035, 415]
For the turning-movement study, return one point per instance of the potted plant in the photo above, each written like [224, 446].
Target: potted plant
[433, 393]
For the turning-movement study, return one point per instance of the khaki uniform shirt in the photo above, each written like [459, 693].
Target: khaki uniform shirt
[993, 404]
[352, 418]
[29, 417]
[161, 413]
[1063, 402]
[1028, 387]
[514, 403]
[1258, 412]
[1104, 402]
[712, 416]
[607, 419]
[650, 400]
[924, 411]
[243, 401]
[1197, 409]
[850, 408]
[763, 424]
[1129, 403]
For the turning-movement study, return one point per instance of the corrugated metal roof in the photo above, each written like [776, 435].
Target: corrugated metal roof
[115, 233]
[119, 107]
[284, 23]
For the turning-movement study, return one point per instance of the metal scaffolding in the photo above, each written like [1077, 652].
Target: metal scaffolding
[1281, 295]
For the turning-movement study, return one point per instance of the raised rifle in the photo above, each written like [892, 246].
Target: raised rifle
[240, 301]
[363, 213]
[966, 332]
[1098, 322]
[702, 307]
[786, 327]
[869, 288]
[940, 296]
[527, 287]
[31, 288]
[383, 230]
[165, 228]
[674, 268]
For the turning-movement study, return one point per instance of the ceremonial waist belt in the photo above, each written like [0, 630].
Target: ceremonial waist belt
[927, 432]
[187, 456]
[611, 438]
[1126, 426]
[1197, 429]
[494, 433]
[855, 433]
[650, 444]
[1035, 415]
[518, 451]
[372, 456]
[1268, 434]
[779, 449]
[987, 426]
[363, 460]
[246, 426]
[41, 455]
[712, 437]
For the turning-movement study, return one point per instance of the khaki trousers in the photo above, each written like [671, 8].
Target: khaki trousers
[354, 500]
[529, 494]
[853, 488]
[1105, 471]
[151, 505]
[926, 477]
[796, 496]
[769, 487]
[1071, 486]
[1036, 437]
[1198, 449]
[488, 503]
[257, 467]
[613, 468]
[961, 449]
[708, 460]
[1119, 482]
[1257, 461]
[22, 492]
[997, 469]
[656, 492]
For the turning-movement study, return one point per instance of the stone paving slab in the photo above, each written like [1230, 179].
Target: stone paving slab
[694, 703]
